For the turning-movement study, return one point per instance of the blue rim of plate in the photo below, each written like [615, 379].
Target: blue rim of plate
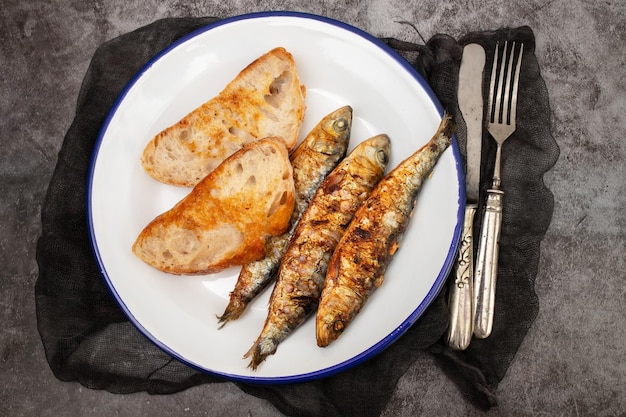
[384, 342]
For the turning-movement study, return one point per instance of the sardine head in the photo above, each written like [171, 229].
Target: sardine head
[378, 150]
[336, 310]
[338, 122]
[336, 127]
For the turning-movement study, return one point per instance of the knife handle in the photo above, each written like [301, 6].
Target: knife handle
[487, 264]
[461, 296]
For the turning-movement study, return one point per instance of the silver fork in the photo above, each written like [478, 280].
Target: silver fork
[502, 109]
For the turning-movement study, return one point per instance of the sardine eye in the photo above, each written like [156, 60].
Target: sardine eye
[382, 156]
[338, 326]
[340, 124]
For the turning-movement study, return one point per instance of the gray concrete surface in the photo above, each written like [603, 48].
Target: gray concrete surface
[572, 361]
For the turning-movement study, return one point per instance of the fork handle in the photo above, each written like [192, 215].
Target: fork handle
[461, 296]
[486, 271]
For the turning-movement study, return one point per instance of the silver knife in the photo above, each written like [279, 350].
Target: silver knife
[470, 99]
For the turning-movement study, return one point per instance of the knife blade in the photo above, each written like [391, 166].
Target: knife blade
[461, 294]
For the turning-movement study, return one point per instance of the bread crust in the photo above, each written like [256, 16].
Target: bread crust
[226, 218]
[265, 99]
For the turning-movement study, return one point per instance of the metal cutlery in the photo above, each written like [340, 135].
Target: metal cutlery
[502, 109]
[461, 292]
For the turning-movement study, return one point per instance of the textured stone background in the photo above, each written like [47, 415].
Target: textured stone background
[572, 361]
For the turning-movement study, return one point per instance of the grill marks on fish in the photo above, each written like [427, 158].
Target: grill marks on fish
[361, 258]
[317, 155]
[303, 268]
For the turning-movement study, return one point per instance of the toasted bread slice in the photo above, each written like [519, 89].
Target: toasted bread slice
[226, 218]
[265, 99]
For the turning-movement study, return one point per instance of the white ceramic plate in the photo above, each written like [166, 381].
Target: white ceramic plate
[339, 65]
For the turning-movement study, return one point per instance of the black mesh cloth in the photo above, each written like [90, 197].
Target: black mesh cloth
[88, 339]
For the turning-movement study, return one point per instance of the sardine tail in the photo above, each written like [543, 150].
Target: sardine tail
[253, 279]
[233, 311]
[258, 352]
[447, 126]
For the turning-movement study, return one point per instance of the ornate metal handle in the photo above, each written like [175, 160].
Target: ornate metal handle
[461, 297]
[487, 264]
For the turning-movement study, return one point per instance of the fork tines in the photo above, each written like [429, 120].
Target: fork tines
[503, 96]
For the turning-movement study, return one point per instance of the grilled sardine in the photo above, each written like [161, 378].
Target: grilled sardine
[317, 155]
[360, 259]
[303, 268]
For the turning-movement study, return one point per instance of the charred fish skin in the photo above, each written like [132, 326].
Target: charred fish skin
[360, 260]
[317, 155]
[303, 268]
